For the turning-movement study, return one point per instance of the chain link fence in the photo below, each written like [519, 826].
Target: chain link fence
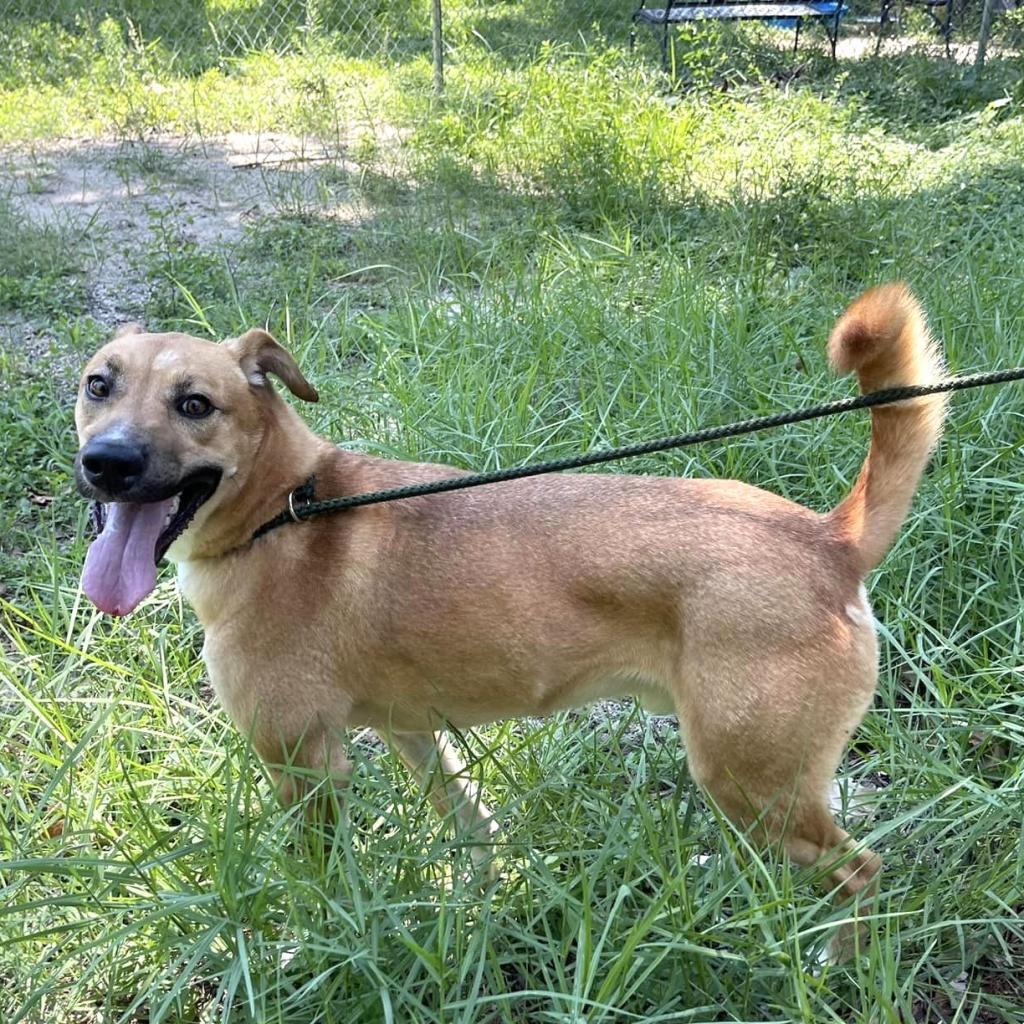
[206, 31]
[200, 33]
[59, 37]
[196, 34]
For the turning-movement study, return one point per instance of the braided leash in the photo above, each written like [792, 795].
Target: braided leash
[301, 506]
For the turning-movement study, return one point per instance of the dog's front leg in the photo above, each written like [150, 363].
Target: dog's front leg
[320, 757]
[433, 759]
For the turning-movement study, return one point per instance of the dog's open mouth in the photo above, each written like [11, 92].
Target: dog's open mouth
[120, 568]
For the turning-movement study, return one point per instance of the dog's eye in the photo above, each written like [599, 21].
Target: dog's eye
[195, 407]
[97, 387]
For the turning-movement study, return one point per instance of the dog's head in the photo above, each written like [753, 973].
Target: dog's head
[168, 426]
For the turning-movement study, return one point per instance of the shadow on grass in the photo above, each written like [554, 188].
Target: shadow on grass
[963, 238]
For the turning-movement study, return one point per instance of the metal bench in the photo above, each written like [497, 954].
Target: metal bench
[827, 13]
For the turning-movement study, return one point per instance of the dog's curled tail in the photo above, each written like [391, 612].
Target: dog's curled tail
[884, 338]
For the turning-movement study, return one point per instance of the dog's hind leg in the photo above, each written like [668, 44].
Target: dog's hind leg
[768, 755]
[850, 870]
[798, 815]
[433, 759]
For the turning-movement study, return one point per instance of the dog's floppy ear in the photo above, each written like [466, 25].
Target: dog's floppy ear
[259, 354]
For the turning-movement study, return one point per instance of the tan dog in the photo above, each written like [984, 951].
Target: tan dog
[740, 611]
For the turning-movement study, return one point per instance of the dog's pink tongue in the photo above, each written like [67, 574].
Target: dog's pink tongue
[120, 568]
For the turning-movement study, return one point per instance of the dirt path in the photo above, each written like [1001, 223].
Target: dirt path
[112, 203]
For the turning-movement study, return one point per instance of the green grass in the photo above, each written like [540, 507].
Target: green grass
[558, 255]
[42, 267]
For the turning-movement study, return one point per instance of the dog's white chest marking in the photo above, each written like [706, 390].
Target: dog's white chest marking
[193, 582]
[198, 586]
[186, 579]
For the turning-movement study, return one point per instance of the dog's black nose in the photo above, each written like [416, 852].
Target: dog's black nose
[113, 466]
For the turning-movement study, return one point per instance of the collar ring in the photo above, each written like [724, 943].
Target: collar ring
[291, 508]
